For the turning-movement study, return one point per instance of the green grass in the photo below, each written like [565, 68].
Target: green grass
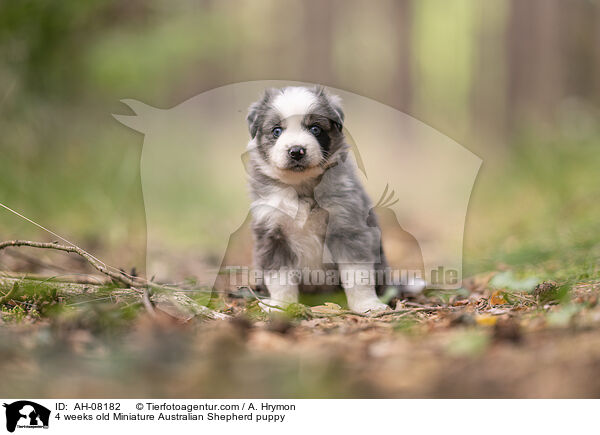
[539, 212]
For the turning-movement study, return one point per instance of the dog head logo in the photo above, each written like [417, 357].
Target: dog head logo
[26, 414]
[195, 194]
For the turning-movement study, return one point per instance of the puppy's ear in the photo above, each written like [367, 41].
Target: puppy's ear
[256, 110]
[335, 102]
[252, 118]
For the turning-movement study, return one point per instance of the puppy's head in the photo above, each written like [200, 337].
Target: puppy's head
[296, 130]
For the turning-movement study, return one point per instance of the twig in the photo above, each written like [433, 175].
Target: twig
[74, 278]
[407, 311]
[74, 249]
[97, 264]
[260, 300]
[89, 301]
[148, 303]
[414, 304]
[8, 295]
[529, 299]
[67, 288]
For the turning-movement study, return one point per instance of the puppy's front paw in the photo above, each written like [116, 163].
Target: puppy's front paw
[370, 306]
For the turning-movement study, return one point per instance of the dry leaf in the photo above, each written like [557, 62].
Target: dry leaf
[327, 308]
[497, 298]
[485, 320]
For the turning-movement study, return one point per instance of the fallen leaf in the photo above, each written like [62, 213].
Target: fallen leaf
[497, 298]
[327, 308]
[485, 320]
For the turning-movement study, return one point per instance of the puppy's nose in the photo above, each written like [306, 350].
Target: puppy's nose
[297, 152]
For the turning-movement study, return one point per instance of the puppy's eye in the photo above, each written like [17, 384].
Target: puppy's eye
[316, 130]
[277, 132]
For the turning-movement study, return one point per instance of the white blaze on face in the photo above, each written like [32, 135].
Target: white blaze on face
[292, 105]
[294, 101]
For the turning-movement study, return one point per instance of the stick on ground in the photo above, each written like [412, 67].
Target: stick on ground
[175, 296]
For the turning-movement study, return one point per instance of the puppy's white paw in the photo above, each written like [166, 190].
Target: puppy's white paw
[369, 306]
[414, 287]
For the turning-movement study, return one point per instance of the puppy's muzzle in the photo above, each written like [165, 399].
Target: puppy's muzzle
[297, 152]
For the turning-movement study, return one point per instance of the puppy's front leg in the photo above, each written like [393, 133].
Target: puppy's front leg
[275, 258]
[360, 291]
[281, 291]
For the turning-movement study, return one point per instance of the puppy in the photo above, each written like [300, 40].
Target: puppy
[311, 217]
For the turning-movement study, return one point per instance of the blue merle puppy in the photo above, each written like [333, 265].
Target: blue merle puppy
[311, 217]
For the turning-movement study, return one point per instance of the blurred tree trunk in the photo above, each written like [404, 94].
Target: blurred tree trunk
[596, 53]
[581, 40]
[317, 45]
[488, 93]
[535, 70]
[553, 53]
[402, 85]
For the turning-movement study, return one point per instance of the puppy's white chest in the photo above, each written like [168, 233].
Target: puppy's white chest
[302, 222]
[306, 234]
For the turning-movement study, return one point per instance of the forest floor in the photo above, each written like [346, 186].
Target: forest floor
[498, 336]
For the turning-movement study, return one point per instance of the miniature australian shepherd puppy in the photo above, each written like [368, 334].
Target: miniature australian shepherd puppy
[310, 211]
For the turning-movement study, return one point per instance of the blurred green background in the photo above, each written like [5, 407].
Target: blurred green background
[515, 81]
